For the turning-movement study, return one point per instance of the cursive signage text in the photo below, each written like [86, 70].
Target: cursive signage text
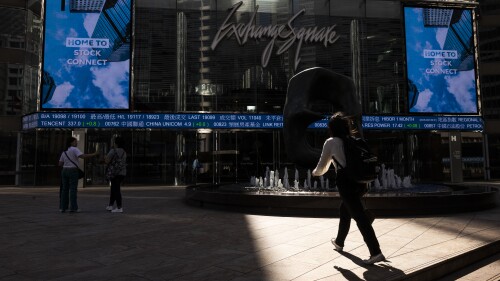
[284, 33]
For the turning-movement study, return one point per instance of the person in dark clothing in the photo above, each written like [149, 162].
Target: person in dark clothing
[117, 153]
[351, 207]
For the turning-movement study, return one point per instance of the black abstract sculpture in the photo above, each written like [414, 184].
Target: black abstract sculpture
[314, 85]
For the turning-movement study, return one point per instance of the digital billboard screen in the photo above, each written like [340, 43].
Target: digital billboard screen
[440, 60]
[87, 54]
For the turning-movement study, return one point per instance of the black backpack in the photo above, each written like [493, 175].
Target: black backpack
[360, 161]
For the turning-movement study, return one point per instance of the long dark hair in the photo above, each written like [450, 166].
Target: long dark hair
[69, 141]
[340, 126]
[119, 142]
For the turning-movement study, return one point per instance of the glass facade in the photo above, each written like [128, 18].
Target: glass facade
[489, 33]
[183, 61]
[19, 58]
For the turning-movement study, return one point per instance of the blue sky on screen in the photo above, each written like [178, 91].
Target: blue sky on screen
[438, 93]
[80, 86]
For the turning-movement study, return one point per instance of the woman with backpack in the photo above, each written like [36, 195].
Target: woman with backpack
[116, 170]
[333, 152]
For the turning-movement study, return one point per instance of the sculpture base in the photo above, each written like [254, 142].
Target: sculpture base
[236, 197]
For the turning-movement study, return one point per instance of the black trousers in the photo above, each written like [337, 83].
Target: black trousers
[116, 193]
[352, 207]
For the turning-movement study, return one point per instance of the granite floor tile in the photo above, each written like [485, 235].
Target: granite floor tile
[288, 269]
[161, 238]
[316, 255]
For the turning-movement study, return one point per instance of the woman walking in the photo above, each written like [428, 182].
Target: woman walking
[351, 207]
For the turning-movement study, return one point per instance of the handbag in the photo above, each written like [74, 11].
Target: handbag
[81, 173]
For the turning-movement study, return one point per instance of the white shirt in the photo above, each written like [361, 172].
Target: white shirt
[332, 147]
[73, 153]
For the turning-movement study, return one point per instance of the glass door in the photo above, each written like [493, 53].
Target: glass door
[239, 155]
[225, 156]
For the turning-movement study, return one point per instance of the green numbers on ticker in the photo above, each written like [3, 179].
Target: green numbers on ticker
[200, 124]
[91, 124]
[412, 125]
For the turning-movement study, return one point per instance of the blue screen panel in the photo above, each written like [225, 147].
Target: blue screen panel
[86, 61]
[440, 61]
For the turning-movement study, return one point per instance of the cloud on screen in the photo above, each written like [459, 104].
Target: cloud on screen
[441, 34]
[424, 98]
[61, 94]
[60, 35]
[417, 27]
[462, 87]
[113, 82]
[89, 23]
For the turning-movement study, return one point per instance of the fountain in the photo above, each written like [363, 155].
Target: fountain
[388, 195]
[387, 181]
[283, 185]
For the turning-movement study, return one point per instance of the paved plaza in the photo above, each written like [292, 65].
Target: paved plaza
[159, 237]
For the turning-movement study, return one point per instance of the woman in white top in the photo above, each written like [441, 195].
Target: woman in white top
[351, 206]
[69, 160]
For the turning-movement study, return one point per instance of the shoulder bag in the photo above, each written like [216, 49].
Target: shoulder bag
[81, 173]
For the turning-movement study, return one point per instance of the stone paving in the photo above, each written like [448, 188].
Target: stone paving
[159, 237]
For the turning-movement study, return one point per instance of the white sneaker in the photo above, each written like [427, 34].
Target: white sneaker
[337, 246]
[120, 210]
[109, 208]
[374, 259]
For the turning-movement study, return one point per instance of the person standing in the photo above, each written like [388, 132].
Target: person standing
[117, 153]
[69, 175]
[194, 172]
[351, 206]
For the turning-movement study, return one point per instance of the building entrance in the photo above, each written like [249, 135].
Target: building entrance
[235, 156]
[156, 157]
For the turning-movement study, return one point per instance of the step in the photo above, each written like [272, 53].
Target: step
[487, 269]
[449, 264]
